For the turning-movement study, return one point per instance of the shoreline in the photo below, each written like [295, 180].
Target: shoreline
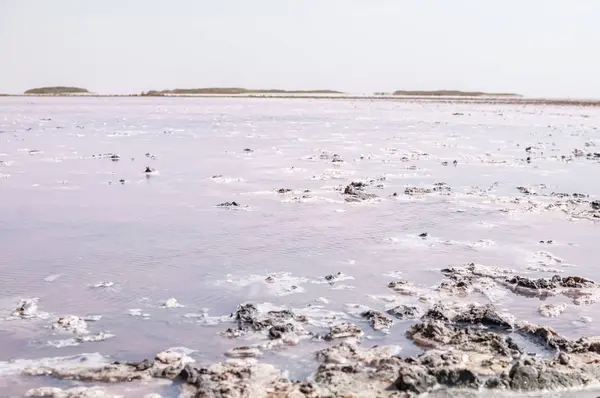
[479, 100]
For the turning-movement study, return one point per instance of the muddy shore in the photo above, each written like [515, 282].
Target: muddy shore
[465, 347]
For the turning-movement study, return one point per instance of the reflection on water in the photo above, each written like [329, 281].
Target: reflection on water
[74, 216]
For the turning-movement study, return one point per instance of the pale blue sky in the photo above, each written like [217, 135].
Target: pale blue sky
[534, 47]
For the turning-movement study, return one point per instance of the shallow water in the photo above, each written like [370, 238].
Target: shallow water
[67, 223]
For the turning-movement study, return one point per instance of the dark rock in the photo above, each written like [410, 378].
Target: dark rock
[525, 191]
[332, 278]
[189, 374]
[283, 315]
[403, 288]
[574, 282]
[485, 315]
[417, 191]
[284, 190]
[377, 320]
[354, 186]
[423, 235]
[144, 365]
[524, 377]
[414, 379]
[27, 308]
[441, 187]
[563, 358]
[248, 150]
[122, 181]
[595, 204]
[530, 283]
[308, 389]
[550, 284]
[550, 338]
[458, 378]
[476, 278]
[404, 312]
[434, 334]
[461, 287]
[148, 170]
[277, 331]
[246, 316]
[275, 323]
[337, 159]
[234, 333]
[343, 331]
[243, 352]
[439, 312]
[394, 284]
[354, 192]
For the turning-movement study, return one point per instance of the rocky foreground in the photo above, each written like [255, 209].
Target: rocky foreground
[471, 347]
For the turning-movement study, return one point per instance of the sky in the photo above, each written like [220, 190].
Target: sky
[545, 48]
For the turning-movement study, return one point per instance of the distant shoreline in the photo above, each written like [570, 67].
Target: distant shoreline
[234, 91]
[461, 99]
[422, 96]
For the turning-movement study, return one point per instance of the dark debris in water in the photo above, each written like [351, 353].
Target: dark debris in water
[354, 192]
[228, 204]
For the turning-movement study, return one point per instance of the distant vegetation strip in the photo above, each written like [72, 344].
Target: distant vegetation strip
[64, 90]
[452, 93]
[57, 90]
[437, 96]
[232, 91]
